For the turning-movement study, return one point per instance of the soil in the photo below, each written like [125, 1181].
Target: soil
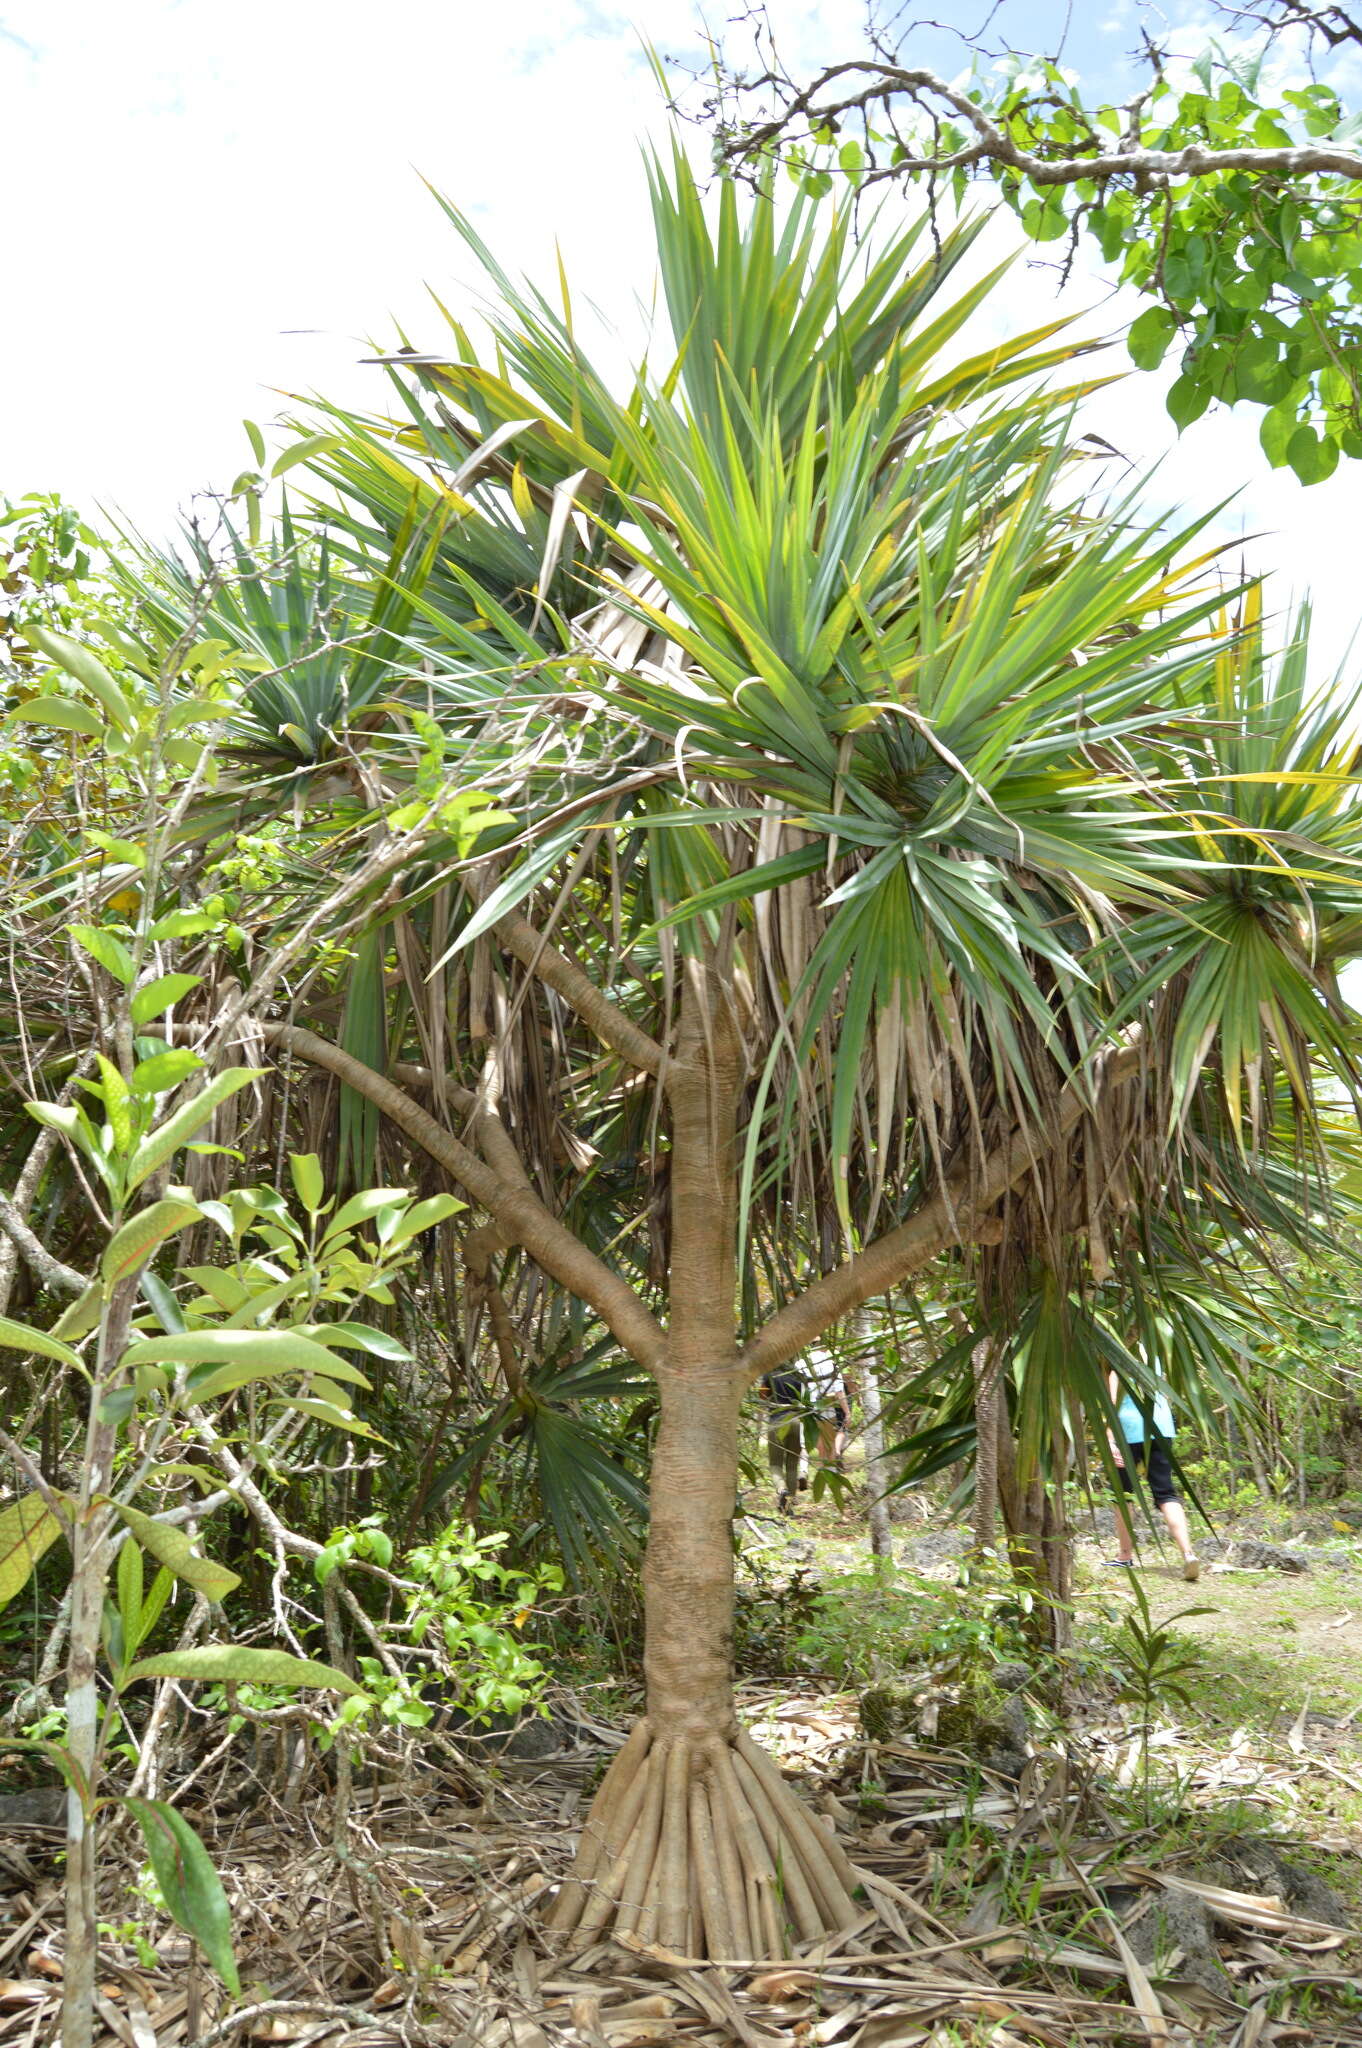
[1277, 1690]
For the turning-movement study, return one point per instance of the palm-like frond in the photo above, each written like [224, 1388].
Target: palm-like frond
[795, 650]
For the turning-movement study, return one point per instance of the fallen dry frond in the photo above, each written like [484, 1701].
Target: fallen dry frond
[991, 1910]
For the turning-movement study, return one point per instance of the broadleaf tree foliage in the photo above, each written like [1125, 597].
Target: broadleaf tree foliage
[759, 835]
[1226, 187]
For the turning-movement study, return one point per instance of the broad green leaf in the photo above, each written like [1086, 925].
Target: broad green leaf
[361, 1207]
[19, 1337]
[80, 1318]
[334, 1416]
[227, 1359]
[1279, 423]
[232, 1664]
[60, 1116]
[155, 996]
[132, 1245]
[66, 713]
[1149, 337]
[117, 1103]
[424, 1216]
[280, 1349]
[103, 946]
[124, 850]
[206, 1385]
[189, 1884]
[175, 1550]
[304, 450]
[162, 1586]
[360, 1337]
[256, 439]
[130, 1587]
[163, 1305]
[28, 1528]
[1314, 457]
[190, 755]
[159, 1145]
[182, 924]
[84, 664]
[306, 1170]
[1187, 401]
[164, 1071]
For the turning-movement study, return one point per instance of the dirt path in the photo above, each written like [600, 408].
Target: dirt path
[1273, 1639]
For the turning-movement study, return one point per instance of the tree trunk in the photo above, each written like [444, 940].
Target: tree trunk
[694, 1841]
[1041, 1548]
[986, 1360]
[877, 1473]
[90, 1534]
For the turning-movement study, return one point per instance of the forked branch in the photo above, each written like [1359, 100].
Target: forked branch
[560, 972]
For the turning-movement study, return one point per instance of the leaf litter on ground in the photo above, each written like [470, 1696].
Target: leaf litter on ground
[427, 1929]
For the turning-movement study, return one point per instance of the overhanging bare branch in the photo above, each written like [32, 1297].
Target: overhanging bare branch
[512, 1201]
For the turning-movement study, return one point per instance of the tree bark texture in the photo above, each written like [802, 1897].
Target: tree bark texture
[694, 1840]
[877, 1473]
[986, 1362]
[1041, 1549]
[91, 1531]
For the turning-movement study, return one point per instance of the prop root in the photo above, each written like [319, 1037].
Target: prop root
[701, 1847]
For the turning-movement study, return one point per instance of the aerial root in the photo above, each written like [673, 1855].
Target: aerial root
[702, 1848]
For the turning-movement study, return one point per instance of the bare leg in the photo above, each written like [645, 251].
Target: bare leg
[827, 1440]
[1125, 1549]
[1175, 1515]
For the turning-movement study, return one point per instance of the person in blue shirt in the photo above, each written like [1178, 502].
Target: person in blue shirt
[1146, 1447]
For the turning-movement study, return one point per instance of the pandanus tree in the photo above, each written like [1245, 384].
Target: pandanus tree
[881, 869]
[894, 870]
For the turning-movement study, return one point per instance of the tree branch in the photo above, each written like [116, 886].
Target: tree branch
[993, 145]
[60, 1278]
[511, 1200]
[558, 971]
[957, 1212]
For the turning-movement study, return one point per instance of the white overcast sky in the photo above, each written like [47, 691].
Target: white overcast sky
[209, 203]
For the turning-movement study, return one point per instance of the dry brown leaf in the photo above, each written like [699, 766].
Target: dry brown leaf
[824, 2032]
[1145, 1997]
[1251, 2032]
[1249, 1909]
[778, 1987]
[19, 1991]
[892, 2032]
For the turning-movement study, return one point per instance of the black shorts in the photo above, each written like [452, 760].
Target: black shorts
[1152, 1459]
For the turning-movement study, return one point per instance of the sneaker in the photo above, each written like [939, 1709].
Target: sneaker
[1119, 1564]
[1191, 1568]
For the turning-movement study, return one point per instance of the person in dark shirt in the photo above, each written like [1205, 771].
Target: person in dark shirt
[785, 1431]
